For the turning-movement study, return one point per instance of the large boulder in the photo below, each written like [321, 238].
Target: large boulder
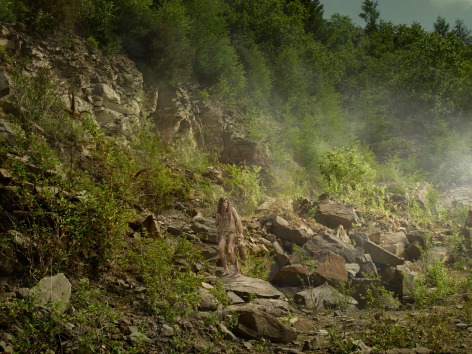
[252, 323]
[291, 275]
[401, 279]
[324, 242]
[333, 214]
[366, 291]
[324, 297]
[331, 268]
[274, 307]
[394, 242]
[55, 290]
[367, 267]
[282, 229]
[380, 255]
[7, 133]
[247, 287]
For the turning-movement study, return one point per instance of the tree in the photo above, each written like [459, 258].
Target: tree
[370, 14]
[441, 26]
[462, 32]
[314, 21]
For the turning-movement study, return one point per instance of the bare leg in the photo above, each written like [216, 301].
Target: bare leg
[231, 254]
[222, 254]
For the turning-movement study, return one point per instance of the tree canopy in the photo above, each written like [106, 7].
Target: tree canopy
[398, 90]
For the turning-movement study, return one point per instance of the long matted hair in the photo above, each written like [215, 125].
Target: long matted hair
[221, 210]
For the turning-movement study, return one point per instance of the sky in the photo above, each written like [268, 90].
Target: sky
[405, 11]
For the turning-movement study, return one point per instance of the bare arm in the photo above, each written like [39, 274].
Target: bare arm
[237, 221]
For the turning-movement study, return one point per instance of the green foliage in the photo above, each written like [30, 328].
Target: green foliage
[191, 157]
[78, 211]
[256, 267]
[339, 343]
[154, 184]
[349, 174]
[220, 293]
[244, 187]
[36, 97]
[170, 281]
[169, 42]
[346, 291]
[385, 334]
[90, 326]
[434, 284]
[38, 328]
[95, 19]
[377, 297]
[216, 61]
[45, 16]
[343, 169]
[92, 42]
[370, 14]
[7, 13]
[258, 75]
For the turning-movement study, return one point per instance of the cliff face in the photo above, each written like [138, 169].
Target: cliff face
[113, 91]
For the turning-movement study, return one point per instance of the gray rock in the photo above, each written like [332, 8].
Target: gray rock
[208, 301]
[333, 214]
[324, 297]
[256, 324]
[249, 287]
[56, 289]
[380, 255]
[323, 242]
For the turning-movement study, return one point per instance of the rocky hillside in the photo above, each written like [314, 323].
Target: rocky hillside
[102, 251]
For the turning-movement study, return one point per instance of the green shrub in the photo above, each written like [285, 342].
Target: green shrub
[95, 19]
[384, 335]
[191, 157]
[348, 173]
[45, 16]
[36, 331]
[216, 61]
[344, 169]
[154, 183]
[89, 326]
[434, 285]
[171, 284]
[258, 76]
[256, 267]
[244, 187]
[7, 13]
[340, 343]
[377, 297]
[170, 51]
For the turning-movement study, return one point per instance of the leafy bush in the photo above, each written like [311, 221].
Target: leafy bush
[95, 19]
[348, 173]
[256, 267]
[170, 281]
[46, 15]
[377, 297]
[384, 335]
[89, 327]
[434, 284]
[170, 52]
[7, 13]
[244, 187]
[153, 183]
[258, 76]
[343, 169]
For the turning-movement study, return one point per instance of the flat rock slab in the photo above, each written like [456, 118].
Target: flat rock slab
[247, 287]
